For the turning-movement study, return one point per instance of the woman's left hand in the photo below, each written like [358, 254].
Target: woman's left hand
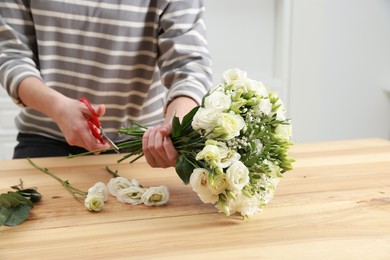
[158, 147]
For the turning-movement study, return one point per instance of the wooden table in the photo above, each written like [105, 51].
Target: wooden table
[335, 204]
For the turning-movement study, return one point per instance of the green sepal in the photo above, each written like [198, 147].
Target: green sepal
[184, 168]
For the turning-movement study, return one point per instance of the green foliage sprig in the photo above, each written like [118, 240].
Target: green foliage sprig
[15, 205]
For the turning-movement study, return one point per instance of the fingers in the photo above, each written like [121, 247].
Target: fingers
[74, 125]
[158, 148]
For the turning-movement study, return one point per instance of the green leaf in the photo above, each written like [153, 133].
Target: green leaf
[11, 198]
[184, 168]
[4, 203]
[187, 119]
[176, 127]
[5, 213]
[18, 215]
[32, 194]
[22, 199]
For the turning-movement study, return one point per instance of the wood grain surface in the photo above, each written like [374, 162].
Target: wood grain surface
[335, 204]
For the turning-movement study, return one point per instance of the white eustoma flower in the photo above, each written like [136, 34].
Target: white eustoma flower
[217, 183]
[119, 183]
[237, 175]
[205, 119]
[131, 195]
[283, 131]
[156, 196]
[228, 156]
[99, 189]
[257, 87]
[274, 170]
[218, 101]
[247, 206]
[264, 107]
[199, 182]
[234, 75]
[94, 202]
[210, 153]
[228, 126]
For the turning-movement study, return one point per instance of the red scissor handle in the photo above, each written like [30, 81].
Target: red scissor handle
[93, 122]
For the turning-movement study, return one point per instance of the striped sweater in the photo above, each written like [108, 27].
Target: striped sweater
[134, 56]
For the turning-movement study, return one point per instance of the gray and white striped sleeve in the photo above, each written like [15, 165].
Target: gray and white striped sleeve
[184, 59]
[18, 57]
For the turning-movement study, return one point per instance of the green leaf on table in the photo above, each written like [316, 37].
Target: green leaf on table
[4, 202]
[5, 213]
[18, 215]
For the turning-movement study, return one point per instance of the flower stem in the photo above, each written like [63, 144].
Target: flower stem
[72, 190]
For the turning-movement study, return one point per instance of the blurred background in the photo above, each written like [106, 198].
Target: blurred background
[329, 60]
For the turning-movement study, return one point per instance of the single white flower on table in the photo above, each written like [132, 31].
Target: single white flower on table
[131, 195]
[94, 202]
[199, 183]
[155, 196]
[119, 183]
[98, 189]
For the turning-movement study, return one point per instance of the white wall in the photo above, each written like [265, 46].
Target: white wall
[340, 68]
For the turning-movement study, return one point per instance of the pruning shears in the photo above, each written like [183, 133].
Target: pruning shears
[96, 126]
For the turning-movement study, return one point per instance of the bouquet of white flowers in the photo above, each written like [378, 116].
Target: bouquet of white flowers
[233, 149]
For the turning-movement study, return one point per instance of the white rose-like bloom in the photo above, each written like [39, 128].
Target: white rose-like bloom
[156, 196]
[274, 170]
[264, 107]
[94, 202]
[234, 75]
[247, 206]
[210, 153]
[99, 189]
[132, 195]
[257, 87]
[284, 131]
[228, 125]
[227, 156]
[237, 175]
[217, 183]
[199, 182]
[205, 119]
[117, 184]
[218, 101]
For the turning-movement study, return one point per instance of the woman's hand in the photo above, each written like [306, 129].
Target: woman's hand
[72, 119]
[70, 115]
[158, 147]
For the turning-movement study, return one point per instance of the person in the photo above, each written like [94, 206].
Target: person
[135, 61]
